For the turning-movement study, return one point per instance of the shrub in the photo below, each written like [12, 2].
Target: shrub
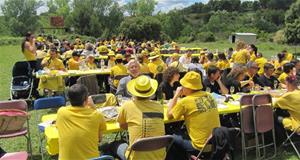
[279, 37]
[206, 37]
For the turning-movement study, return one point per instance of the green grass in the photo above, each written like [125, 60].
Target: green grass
[11, 54]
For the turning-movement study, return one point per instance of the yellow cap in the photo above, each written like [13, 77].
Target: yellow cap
[192, 80]
[153, 55]
[142, 86]
[111, 53]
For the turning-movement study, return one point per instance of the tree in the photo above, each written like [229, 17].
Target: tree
[292, 21]
[140, 28]
[140, 7]
[96, 17]
[172, 23]
[21, 15]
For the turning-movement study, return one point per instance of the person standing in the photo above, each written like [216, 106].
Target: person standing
[29, 49]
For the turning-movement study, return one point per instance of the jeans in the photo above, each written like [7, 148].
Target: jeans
[185, 144]
[121, 150]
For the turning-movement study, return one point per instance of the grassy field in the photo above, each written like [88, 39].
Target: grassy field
[11, 54]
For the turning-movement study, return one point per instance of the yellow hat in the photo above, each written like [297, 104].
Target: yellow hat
[192, 80]
[153, 55]
[175, 55]
[144, 53]
[111, 53]
[142, 86]
[119, 56]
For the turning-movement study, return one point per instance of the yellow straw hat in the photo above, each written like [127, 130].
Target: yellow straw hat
[142, 86]
[153, 55]
[111, 53]
[175, 55]
[119, 56]
[192, 80]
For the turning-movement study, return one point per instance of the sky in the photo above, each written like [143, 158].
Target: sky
[162, 5]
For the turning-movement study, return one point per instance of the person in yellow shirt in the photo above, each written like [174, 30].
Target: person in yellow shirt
[90, 62]
[288, 69]
[143, 66]
[29, 49]
[102, 49]
[289, 102]
[142, 118]
[80, 126]
[78, 44]
[118, 70]
[52, 83]
[260, 61]
[222, 63]
[279, 64]
[74, 62]
[253, 52]
[241, 56]
[111, 59]
[68, 54]
[40, 53]
[288, 56]
[199, 110]
[145, 54]
[156, 65]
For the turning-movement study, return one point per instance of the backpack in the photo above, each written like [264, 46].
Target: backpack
[12, 120]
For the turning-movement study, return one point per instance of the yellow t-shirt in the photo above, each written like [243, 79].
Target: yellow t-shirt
[157, 66]
[252, 56]
[54, 64]
[118, 69]
[290, 101]
[73, 64]
[78, 46]
[200, 115]
[240, 57]
[289, 56]
[91, 65]
[282, 77]
[68, 54]
[78, 130]
[29, 56]
[111, 63]
[223, 64]
[261, 63]
[144, 68]
[145, 118]
[40, 54]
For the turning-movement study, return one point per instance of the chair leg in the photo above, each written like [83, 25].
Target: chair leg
[294, 146]
[244, 151]
[274, 143]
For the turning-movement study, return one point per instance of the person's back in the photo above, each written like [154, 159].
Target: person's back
[145, 119]
[80, 127]
[200, 114]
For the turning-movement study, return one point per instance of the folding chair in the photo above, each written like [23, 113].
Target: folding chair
[15, 156]
[151, 144]
[289, 140]
[247, 123]
[90, 81]
[46, 103]
[104, 157]
[263, 122]
[20, 105]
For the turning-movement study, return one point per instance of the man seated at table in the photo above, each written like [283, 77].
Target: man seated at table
[80, 126]
[133, 68]
[199, 110]
[213, 81]
[267, 79]
[157, 65]
[118, 70]
[186, 58]
[142, 117]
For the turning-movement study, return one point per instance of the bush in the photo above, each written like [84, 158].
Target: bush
[185, 39]
[279, 37]
[10, 41]
[206, 37]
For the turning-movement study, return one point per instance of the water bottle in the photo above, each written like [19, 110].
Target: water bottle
[102, 63]
[25, 83]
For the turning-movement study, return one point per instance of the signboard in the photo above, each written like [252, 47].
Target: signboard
[57, 21]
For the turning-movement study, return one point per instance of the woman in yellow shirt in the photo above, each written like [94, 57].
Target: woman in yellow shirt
[74, 62]
[288, 69]
[29, 49]
[118, 70]
[279, 64]
[260, 61]
[241, 56]
[222, 63]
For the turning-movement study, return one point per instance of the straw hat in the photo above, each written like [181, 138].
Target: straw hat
[175, 55]
[142, 86]
[192, 80]
[111, 53]
[153, 55]
[119, 56]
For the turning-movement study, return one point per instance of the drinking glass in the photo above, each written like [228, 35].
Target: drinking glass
[231, 90]
[119, 99]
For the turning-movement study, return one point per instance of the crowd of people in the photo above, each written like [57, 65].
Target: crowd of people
[184, 79]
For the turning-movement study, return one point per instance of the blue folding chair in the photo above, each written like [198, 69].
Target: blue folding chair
[46, 103]
[104, 157]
